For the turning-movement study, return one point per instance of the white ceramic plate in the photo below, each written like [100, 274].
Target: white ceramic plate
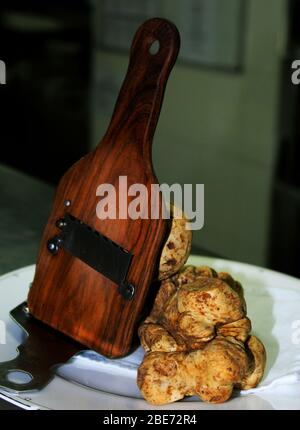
[90, 381]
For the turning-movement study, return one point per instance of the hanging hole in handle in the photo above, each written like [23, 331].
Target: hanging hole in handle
[154, 47]
[19, 377]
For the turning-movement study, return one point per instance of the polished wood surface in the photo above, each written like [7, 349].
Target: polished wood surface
[66, 293]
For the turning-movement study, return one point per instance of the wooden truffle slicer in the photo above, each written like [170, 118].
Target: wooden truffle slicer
[94, 276]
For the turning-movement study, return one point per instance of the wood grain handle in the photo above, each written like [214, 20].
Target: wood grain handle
[138, 105]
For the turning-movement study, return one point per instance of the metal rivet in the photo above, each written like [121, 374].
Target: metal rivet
[60, 223]
[67, 203]
[53, 245]
[127, 291]
[26, 309]
[130, 291]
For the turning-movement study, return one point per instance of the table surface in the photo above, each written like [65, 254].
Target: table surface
[24, 207]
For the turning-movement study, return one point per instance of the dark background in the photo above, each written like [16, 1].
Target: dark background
[45, 103]
[45, 108]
